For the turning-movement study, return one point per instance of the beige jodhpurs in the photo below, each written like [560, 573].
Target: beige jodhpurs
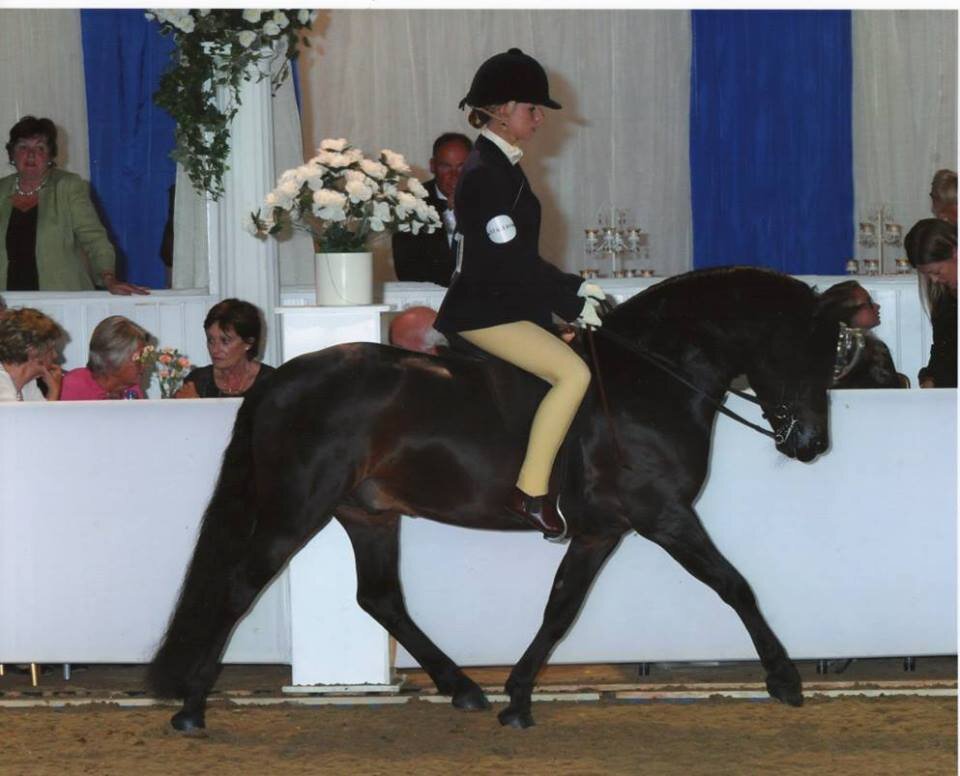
[535, 350]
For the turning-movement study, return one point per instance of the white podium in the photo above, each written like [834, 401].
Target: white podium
[333, 641]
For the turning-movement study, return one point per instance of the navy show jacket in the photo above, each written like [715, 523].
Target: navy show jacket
[502, 282]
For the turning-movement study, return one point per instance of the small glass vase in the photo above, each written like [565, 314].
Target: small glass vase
[169, 387]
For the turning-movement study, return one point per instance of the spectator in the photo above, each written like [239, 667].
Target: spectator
[943, 196]
[46, 217]
[431, 257]
[932, 249]
[851, 304]
[30, 344]
[234, 339]
[114, 367]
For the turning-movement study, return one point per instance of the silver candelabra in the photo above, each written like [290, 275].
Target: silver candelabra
[617, 244]
[877, 230]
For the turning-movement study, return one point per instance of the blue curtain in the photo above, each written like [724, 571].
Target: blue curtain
[771, 154]
[131, 171]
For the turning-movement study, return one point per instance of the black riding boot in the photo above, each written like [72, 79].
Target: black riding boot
[538, 511]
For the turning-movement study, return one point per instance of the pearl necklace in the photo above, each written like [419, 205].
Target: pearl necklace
[22, 193]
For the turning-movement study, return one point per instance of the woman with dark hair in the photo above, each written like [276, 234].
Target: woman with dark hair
[234, 339]
[851, 304]
[46, 218]
[931, 247]
[503, 293]
[30, 344]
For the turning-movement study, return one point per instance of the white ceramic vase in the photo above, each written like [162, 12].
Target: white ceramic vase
[344, 278]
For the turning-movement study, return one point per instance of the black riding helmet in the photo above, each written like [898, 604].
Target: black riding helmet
[511, 75]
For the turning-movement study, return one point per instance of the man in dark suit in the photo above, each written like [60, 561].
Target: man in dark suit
[431, 257]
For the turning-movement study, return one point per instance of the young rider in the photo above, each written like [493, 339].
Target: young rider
[503, 292]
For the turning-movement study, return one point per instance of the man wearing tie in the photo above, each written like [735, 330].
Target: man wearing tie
[432, 257]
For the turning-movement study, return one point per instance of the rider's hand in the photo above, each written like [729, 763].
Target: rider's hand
[588, 315]
[591, 291]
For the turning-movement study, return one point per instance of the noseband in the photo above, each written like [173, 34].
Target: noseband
[783, 418]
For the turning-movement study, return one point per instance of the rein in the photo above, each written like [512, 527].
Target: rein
[782, 412]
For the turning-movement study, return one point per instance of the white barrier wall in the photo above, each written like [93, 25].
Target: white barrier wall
[852, 555]
[99, 508]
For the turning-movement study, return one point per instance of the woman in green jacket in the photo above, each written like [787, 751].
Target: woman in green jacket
[46, 218]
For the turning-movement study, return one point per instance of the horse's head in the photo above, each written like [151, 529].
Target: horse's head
[791, 378]
[722, 322]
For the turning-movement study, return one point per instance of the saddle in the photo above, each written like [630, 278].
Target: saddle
[517, 394]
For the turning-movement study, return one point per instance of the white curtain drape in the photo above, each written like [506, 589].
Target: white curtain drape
[904, 109]
[392, 79]
[190, 268]
[41, 74]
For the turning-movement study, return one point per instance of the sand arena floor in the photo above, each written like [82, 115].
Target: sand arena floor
[872, 719]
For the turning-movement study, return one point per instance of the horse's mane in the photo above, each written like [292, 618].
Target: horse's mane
[721, 293]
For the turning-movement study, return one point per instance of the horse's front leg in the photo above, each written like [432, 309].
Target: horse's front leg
[679, 531]
[376, 545]
[579, 567]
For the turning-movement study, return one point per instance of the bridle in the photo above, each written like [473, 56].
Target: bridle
[782, 417]
[850, 342]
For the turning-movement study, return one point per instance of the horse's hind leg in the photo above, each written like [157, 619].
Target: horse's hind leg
[583, 560]
[266, 553]
[679, 531]
[375, 541]
[246, 536]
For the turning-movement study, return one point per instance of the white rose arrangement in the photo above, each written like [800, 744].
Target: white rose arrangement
[217, 48]
[343, 198]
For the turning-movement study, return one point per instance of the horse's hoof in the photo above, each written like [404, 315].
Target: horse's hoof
[516, 718]
[188, 721]
[789, 690]
[470, 698]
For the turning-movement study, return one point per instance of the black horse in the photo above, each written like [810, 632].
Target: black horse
[368, 433]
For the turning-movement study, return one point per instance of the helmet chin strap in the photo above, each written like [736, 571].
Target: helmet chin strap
[492, 117]
[499, 127]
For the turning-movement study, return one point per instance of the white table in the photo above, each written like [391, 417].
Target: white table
[333, 641]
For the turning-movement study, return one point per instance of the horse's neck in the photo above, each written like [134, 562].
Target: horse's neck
[706, 357]
[725, 313]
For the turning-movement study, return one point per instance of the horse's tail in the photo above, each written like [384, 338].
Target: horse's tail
[199, 621]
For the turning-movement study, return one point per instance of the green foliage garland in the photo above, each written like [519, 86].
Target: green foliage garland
[219, 48]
